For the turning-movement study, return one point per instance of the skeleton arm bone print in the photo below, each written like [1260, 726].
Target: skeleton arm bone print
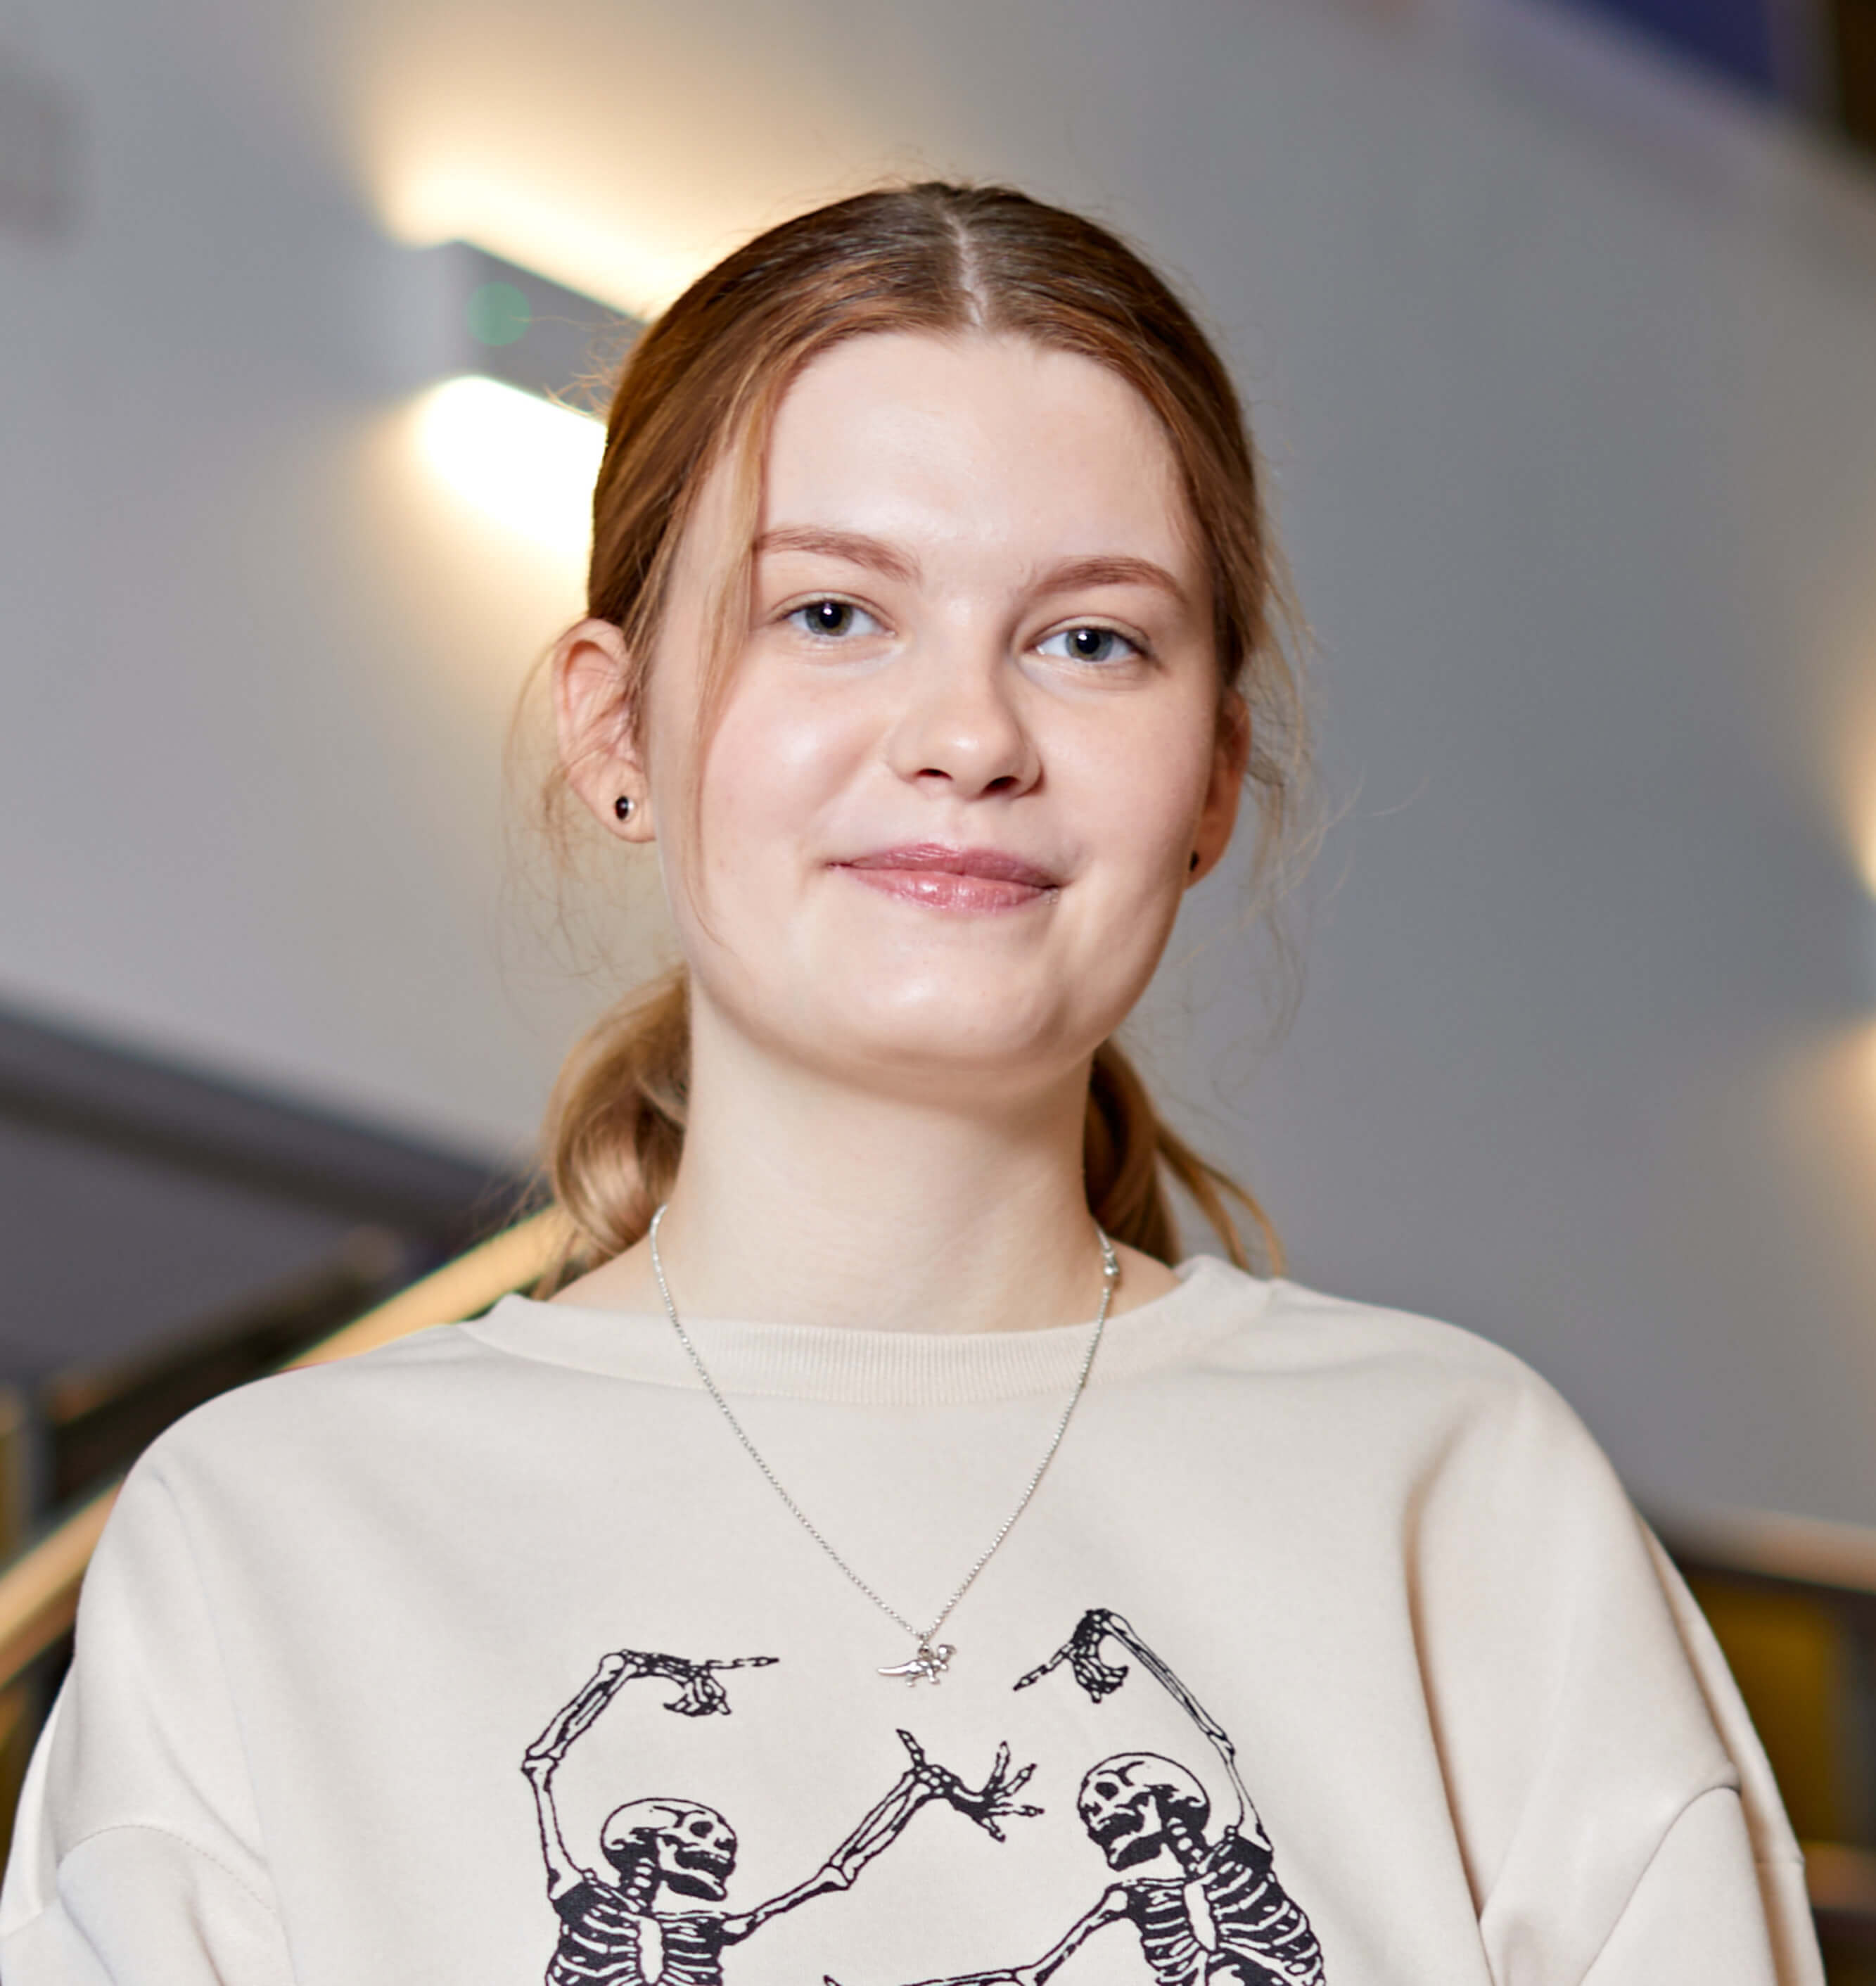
[988, 1805]
[700, 1695]
[1113, 1906]
[1099, 1679]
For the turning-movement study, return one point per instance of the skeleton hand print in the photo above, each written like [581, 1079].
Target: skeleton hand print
[616, 1929]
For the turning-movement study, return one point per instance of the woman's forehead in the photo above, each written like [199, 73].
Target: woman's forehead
[974, 443]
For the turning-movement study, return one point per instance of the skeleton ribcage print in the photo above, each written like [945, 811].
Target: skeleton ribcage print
[604, 1943]
[1232, 1922]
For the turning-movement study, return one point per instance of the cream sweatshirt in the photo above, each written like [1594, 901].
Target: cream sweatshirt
[1330, 1651]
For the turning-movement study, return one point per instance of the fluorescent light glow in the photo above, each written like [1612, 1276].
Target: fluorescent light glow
[522, 461]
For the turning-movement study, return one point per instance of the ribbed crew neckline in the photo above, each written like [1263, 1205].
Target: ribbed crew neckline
[833, 1362]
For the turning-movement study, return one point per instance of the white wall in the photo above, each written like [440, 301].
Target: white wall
[1568, 369]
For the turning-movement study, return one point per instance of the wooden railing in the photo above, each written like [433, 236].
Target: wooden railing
[39, 1589]
[1792, 1601]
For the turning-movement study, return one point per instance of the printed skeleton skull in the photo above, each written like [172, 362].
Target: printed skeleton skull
[692, 1848]
[1139, 1805]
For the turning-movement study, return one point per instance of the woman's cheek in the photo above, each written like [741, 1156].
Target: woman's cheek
[1142, 802]
[781, 756]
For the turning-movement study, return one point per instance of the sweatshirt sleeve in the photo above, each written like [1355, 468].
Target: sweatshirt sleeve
[1696, 1916]
[137, 1858]
[1619, 1822]
[1772, 1851]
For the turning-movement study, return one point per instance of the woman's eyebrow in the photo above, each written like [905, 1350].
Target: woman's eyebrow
[1067, 576]
[855, 547]
[1109, 569]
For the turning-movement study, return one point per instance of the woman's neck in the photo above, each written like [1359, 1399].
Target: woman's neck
[801, 1200]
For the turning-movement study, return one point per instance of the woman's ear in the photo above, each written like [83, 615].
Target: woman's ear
[594, 719]
[1218, 814]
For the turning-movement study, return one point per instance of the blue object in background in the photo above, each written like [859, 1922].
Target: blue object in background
[1736, 37]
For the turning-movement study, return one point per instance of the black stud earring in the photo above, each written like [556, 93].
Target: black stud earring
[1194, 862]
[624, 805]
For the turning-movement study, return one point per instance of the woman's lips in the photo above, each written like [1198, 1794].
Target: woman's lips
[953, 879]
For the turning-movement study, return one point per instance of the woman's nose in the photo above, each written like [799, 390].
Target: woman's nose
[961, 731]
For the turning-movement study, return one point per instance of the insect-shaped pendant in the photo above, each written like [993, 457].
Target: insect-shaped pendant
[928, 1666]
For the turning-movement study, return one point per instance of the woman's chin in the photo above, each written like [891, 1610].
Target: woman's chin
[950, 1054]
[964, 1033]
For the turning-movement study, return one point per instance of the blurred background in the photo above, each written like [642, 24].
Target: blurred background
[1558, 322]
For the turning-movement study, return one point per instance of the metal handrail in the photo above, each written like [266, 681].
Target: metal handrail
[39, 1589]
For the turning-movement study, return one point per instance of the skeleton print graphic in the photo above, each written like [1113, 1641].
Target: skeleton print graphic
[1223, 1918]
[631, 1927]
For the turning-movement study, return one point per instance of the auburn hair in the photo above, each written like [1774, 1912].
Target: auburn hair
[700, 387]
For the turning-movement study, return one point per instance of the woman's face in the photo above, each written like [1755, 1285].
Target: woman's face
[972, 743]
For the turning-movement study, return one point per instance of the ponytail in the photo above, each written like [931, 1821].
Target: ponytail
[1127, 1154]
[616, 1124]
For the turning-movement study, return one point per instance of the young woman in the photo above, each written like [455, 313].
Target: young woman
[887, 1563]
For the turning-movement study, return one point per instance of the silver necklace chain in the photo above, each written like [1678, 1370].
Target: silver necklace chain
[928, 1664]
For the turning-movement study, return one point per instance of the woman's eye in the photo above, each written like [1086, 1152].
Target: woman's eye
[1089, 644]
[829, 620]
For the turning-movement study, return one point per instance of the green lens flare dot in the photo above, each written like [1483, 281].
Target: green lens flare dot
[499, 314]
